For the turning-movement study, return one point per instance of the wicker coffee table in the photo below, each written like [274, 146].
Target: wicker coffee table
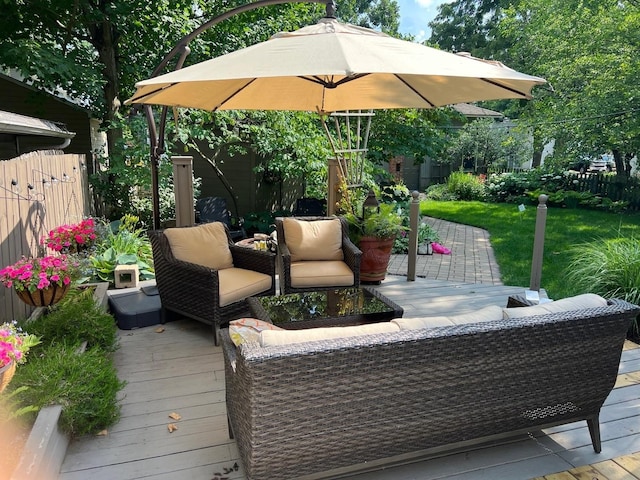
[330, 308]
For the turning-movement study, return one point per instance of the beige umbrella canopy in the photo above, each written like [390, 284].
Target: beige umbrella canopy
[332, 67]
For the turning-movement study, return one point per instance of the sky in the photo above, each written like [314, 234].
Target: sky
[415, 16]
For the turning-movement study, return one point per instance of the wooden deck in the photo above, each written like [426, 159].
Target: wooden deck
[180, 371]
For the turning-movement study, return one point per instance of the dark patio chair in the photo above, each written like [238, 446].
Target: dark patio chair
[192, 287]
[306, 207]
[214, 209]
[313, 261]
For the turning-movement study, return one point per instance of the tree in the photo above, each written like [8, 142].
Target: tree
[482, 145]
[410, 133]
[468, 26]
[587, 51]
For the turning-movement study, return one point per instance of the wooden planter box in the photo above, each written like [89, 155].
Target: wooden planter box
[46, 446]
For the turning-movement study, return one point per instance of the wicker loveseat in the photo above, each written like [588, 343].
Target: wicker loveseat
[324, 408]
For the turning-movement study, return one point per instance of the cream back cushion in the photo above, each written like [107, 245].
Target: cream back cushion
[206, 245]
[579, 302]
[270, 338]
[487, 314]
[313, 240]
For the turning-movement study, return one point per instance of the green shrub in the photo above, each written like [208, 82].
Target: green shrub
[610, 268]
[85, 384]
[123, 243]
[439, 192]
[466, 186]
[74, 320]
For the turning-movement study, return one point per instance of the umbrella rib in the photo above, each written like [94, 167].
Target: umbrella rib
[415, 91]
[233, 94]
[332, 84]
[151, 93]
[499, 85]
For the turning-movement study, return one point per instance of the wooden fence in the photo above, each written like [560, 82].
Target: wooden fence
[38, 191]
[613, 187]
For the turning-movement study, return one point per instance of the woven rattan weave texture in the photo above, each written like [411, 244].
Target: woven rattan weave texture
[192, 290]
[322, 406]
[352, 255]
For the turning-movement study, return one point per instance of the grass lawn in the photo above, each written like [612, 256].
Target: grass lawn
[512, 236]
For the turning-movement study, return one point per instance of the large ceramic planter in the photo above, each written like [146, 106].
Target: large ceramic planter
[45, 297]
[376, 253]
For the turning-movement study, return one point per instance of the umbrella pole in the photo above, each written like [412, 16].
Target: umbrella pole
[157, 142]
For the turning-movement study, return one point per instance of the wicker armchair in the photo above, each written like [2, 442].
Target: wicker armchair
[193, 290]
[288, 281]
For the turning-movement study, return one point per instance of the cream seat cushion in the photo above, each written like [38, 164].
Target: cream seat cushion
[237, 284]
[313, 240]
[579, 302]
[486, 314]
[269, 338]
[206, 245]
[321, 274]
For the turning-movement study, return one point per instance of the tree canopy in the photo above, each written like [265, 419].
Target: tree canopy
[588, 51]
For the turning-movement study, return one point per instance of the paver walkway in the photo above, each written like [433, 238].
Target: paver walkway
[471, 260]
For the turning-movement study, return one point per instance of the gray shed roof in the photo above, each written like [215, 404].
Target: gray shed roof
[469, 110]
[16, 124]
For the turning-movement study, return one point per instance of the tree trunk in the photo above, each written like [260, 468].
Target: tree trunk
[104, 38]
[621, 169]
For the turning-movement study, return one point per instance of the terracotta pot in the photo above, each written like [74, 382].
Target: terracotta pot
[6, 374]
[375, 258]
[43, 298]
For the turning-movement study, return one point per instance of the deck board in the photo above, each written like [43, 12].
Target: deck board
[180, 370]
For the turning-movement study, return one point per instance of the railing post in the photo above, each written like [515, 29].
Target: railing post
[414, 217]
[183, 190]
[538, 243]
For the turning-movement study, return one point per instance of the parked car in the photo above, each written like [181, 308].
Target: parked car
[602, 163]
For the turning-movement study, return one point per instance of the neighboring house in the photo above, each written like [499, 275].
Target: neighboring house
[420, 176]
[20, 98]
[21, 134]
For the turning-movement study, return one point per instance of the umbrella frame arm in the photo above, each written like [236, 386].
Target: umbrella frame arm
[157, 134]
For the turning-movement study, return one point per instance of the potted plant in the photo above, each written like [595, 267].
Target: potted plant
[40, 281]
[14, 346]
[72, 238]
[374, 231]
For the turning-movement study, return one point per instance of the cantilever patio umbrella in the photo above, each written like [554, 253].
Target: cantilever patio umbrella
[331, 67]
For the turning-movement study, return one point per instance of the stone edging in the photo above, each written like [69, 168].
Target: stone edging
[46, 446]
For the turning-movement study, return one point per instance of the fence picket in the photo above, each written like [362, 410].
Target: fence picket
[29, 209]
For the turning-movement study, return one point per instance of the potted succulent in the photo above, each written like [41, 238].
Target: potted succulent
[14, 346]
[374, 231]
[40, 281]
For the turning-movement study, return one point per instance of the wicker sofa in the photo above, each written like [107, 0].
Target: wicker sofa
[322, 409]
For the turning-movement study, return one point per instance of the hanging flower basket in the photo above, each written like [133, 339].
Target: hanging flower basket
[40, 281]
[6, 374]
[45, 297]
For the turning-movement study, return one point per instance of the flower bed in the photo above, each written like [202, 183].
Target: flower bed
[45, 446]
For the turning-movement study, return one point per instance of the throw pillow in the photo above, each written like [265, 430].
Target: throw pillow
[245, 330]
[313, 240]
[205, 244]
